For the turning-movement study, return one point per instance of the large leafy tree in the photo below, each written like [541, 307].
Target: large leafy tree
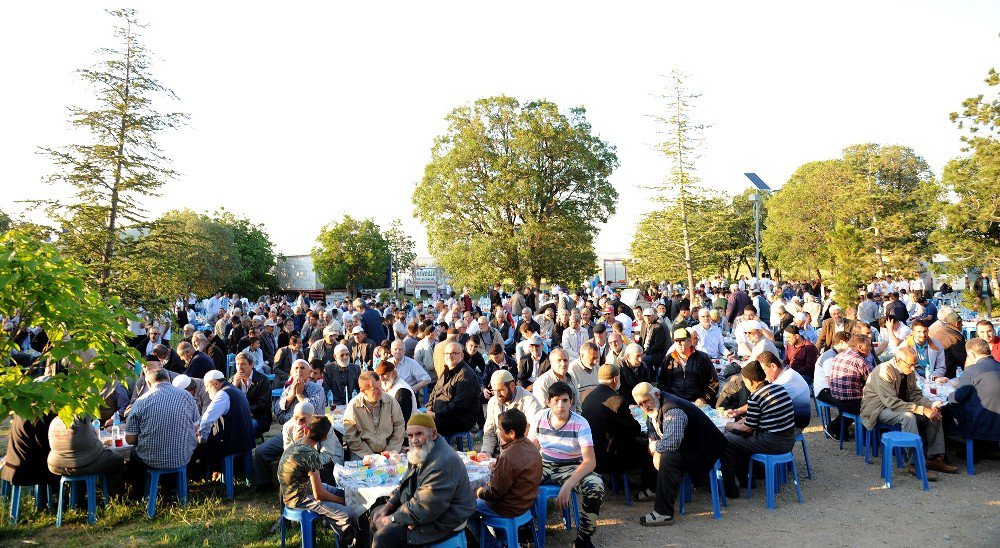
[44, 289]
[254, 252]
[351, 252]
[971, 228]
[516, 191]
[658, 252]
[102, 220]
[401, 247]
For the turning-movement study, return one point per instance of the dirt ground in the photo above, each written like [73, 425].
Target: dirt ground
[845, 504]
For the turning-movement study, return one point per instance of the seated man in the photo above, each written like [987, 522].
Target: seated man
[234, 433]
[331, 452]
[341, 376]
[373, 421]
[559, 372]
[584, 368]
[198, 363]
[77, 450]
[891, 396]
[137, 386]
[455, 401]
[930, 353]
[397, 388]
[768, 427]
[513, 486]
[975, 405]
[507, 395]
[301, 484]
[618, 445]
[195, 387]
[986, 331]
[682, 440]
[408, 369]
[533, 363]
[849, 372]
[709, 336]
[758, 341]
[689, 373]
[162, 427]
[632, 371]
[800, 354]
[434, 499]
[257, 389]
[299, 388]
[568, 458]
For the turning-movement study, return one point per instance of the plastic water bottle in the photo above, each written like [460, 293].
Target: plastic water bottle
[97, 426]
[329, 398]
[958, 373]
[116, 430]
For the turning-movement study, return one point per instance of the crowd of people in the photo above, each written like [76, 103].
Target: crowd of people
[551, 381]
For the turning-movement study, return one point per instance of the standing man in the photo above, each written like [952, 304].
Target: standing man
[370, 321]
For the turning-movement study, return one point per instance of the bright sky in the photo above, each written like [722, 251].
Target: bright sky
[301, 112]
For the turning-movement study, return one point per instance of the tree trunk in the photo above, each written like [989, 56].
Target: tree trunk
[109, 244]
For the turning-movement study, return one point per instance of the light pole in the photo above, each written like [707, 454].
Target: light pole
[759, 186]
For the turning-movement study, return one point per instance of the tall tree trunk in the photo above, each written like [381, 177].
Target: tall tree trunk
[109, 244]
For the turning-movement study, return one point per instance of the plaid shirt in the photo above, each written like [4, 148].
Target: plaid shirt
[164, 419]
[848, 373]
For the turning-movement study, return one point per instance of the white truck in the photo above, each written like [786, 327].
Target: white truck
[427, 280]
[614, 274]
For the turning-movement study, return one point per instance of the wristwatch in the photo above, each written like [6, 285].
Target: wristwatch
[392, 518]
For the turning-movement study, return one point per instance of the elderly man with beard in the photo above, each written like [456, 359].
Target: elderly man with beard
[299, 388]
[434, 498]
[455, 402]
[234, 434]
[632, 372]
[397, 388]
[341, 376]
[373, 421]
[506, 395]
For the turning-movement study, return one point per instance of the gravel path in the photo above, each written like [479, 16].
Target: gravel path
[845, 505]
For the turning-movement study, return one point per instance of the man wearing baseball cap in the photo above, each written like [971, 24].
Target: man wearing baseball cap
[687, 372]
[268, 342]
[361, 347]
[434, 498]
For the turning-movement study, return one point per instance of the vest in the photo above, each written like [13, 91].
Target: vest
[703, 443]
[236, 435]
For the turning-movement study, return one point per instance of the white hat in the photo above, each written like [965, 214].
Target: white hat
[304, 408]
[357, 329]
[535, 340]
[648, 312]
[214, 375]
[182, 381]
[330, 330]
[270, 322]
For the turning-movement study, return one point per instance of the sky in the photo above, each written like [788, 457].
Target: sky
[302, 112]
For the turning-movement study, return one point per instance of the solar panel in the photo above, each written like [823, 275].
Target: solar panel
[757, 182]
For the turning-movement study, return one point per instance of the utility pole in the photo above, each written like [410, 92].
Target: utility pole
[759, 185]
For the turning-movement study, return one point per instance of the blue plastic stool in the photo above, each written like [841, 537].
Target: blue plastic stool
[897, 441]
[455, 541]
[153, 481]
[228, 474]
[614, 487]
[270, 376]
[876, 434]
[969, 465]
[823, 412]
[91, 484]
[771, 463]
[15, 499]
[305, 518]
[714, 482]
[801, 438]
[276, 394]
[540, 509]
[457, 438]
[860, 439]
[507, 525]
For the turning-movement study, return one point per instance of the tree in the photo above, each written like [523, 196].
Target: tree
[351, 252]
[516, 192]
[121, 166]
[679, 192]
[400, 250]
[971, 227]
[657, 250]
[5, 222]
[802, 216]
[254, 252]
[44, 289]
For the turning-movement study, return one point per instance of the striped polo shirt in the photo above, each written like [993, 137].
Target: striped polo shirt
[770, 409]
[562, 446]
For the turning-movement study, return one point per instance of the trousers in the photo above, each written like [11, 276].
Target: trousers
[590, 489]
[909, 422]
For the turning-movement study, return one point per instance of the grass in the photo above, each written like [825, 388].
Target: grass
[209, 520]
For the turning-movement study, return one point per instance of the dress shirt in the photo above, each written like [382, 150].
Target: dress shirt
[710, 341]
[216, 408]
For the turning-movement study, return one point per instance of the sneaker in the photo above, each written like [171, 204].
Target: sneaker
[653, 519]
[912, 470]
[646, 495]
[938, 464]
[583, 542]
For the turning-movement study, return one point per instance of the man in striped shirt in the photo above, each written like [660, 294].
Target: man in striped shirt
[768, 427]
[568, 458]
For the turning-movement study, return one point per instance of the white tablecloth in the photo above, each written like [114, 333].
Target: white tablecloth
[943, 391]
[361, 495]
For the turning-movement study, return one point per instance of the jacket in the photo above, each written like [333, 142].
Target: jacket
[434, 498]
[702, 443]
[935, 356]
[75, 446]
[360, 433]
[692, 380]
[953, 342]
[513, 487]
[615, 432]
[456, 400]
[827, 332]
[522, 400]
[977, 401]
[525, 367]
[655, 341]
[27, 451]
[332, 381]
[283, 360]
[882, 392]
[259, 397]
